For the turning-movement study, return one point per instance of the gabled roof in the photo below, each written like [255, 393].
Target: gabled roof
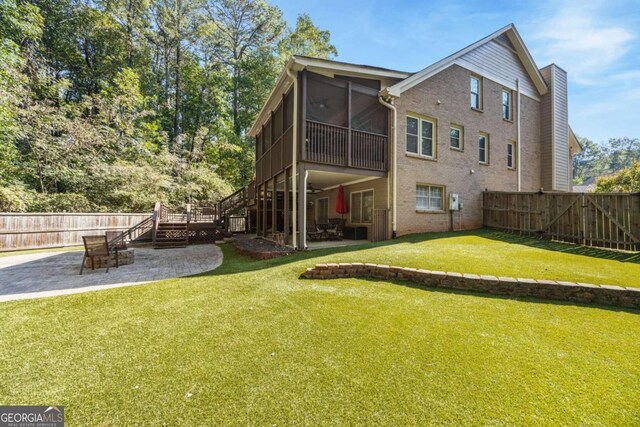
[321, 66]
[347, 67]
[574, 143]
[513, 36]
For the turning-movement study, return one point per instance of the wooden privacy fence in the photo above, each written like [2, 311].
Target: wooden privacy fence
[45, 230]
[592, 219]
[379, 231]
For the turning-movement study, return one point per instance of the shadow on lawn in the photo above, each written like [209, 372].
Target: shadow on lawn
[412, 285]
[241, 264]
[540, 243]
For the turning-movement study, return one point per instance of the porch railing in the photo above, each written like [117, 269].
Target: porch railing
[341, 146]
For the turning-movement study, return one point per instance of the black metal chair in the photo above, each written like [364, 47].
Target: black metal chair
[314, 233]
[336, 228]
[97, 246]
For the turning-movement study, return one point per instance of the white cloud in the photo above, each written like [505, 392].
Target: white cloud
[580, 39]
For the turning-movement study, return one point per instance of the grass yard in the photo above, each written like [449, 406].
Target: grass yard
[252, 344]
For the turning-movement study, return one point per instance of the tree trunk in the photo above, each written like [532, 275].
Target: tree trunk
[130, 33]
[176, 115]
[236, 96]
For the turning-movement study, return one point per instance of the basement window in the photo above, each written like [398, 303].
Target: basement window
[429, 197]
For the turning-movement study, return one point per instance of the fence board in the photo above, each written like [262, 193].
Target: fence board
[20, 231]
[593, 219]
[379, 230]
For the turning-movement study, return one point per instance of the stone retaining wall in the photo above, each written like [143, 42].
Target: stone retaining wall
[546, 289]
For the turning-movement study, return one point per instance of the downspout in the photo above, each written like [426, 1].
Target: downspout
[394, 163]
[518, 144]
[294, 155]
[304, 210]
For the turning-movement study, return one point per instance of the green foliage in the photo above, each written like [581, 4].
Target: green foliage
[308, 40]
[625, 181]
[597, 160]
[15, 198]
[62, 202]
[111, 105]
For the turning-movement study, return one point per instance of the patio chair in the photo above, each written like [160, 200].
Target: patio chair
[121, 243]
[97, 246]
[314, 233]
[336, 228]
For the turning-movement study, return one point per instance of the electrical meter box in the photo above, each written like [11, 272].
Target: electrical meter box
[454, 201]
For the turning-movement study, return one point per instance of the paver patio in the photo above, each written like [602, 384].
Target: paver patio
[54, 273]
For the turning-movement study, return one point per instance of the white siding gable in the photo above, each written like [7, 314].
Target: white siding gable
[496, 61]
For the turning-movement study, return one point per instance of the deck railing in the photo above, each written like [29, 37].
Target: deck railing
[341, 146]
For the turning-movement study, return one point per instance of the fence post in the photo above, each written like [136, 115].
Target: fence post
[156, 220]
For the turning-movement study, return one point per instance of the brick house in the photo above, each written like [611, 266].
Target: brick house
[413, 151]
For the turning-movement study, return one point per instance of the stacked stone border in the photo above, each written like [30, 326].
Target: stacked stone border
[258, 253]
[544, 289]
[125, 257]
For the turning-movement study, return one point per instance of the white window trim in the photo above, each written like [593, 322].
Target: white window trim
[513, 155]
[487, 144]
[479, 80]
[430, 210]
[373, 196]
[318, 208]
[509, 112]
[461, 139]
[434, 136]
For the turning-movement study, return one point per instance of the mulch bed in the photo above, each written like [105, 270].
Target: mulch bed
[261, 248]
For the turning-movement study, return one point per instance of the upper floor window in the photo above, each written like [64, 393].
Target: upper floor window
[483, 148]
[456, 138]
[420, 136]
[506, 105]
[429, 198]
[511, 153]
[476, 92]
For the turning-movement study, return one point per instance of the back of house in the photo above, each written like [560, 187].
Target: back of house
[413, 152]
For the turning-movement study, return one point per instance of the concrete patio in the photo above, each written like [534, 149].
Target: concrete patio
[56, 273]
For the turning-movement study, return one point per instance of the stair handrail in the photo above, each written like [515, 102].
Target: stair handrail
[234, 200]
[120, 239]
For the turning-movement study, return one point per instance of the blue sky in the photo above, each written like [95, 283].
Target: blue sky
[596, 42]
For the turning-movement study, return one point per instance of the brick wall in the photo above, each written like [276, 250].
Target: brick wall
[544, 289]
[452, 168]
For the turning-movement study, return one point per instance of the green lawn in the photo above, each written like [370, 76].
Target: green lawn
[251, 343]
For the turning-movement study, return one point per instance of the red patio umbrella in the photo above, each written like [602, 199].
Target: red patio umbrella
[341, 203]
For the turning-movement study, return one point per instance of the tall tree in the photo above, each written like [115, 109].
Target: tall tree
[243, 30]
[20, 31]
[308, 40]
[176, 22]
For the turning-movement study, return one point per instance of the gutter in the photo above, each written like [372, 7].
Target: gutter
[394, 162]
[518, 144]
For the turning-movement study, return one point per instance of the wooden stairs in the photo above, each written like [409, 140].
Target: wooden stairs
[175, 228]
[171, 235]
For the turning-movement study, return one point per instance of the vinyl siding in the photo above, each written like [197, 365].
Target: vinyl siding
[561, 130]
[379, 187]
[554, 131]
[546, 140]
[504, 39]
[495, 61]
